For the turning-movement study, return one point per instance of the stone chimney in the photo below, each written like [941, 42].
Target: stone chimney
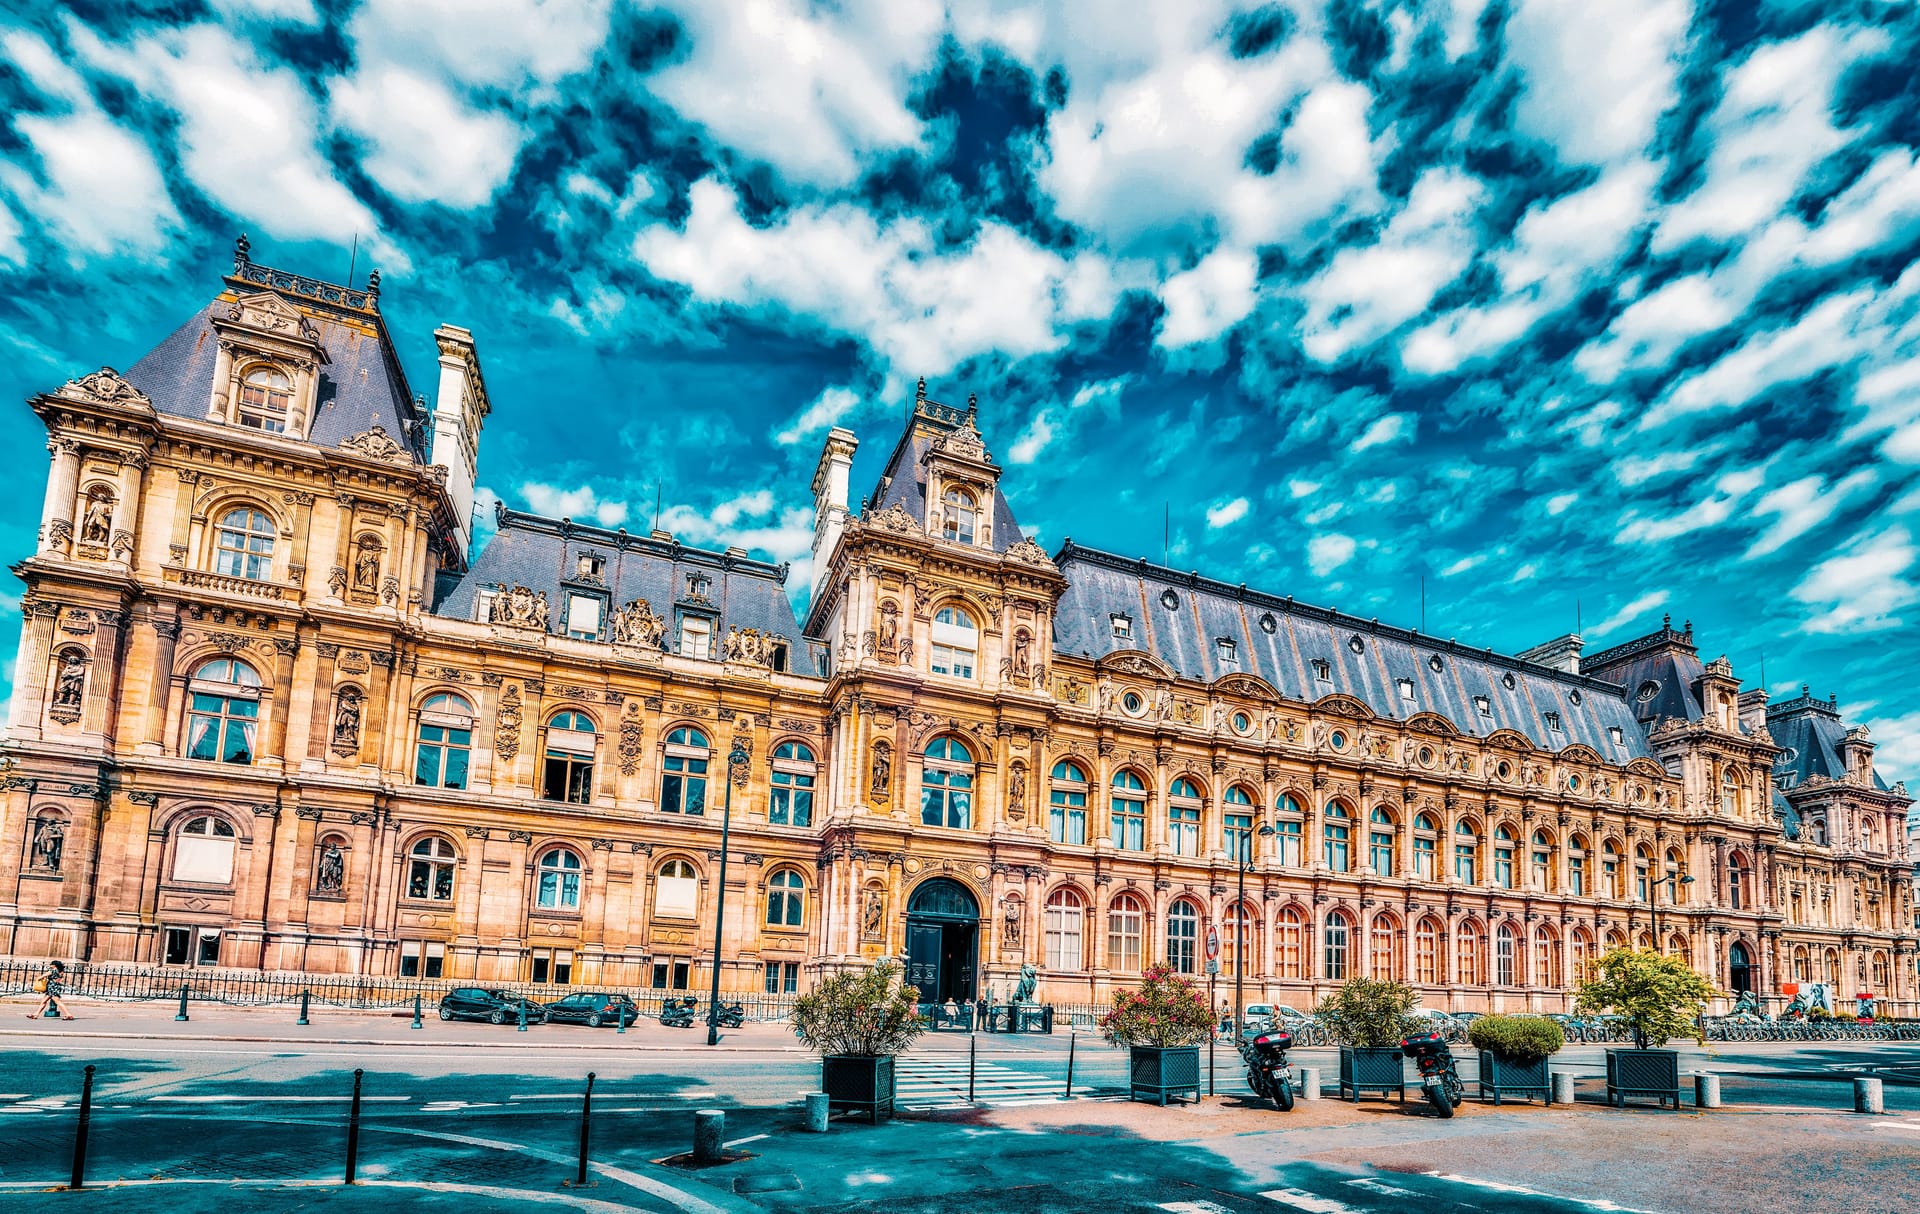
[460, 408]
[1561, 653]
[830, 496]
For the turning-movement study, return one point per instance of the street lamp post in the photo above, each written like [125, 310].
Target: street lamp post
[1242, 859]
[736, 764]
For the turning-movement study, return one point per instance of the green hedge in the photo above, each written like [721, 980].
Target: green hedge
[1521, 1038]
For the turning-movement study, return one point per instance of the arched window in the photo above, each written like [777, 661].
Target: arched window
[1426, 952]
[1183, 818]
[1129, 811]
[1290, 934]
[1503, 846]
[956, 642]
[1239, 933]
[445, 742]
[1065, 931]
[676, 891]
[1670, 876]
[1613, 880]
[266, 395]
[1380, 826]
[1642, 875]
[1577, 849]
[786, 899]
[1472, 967]
[683, 772]
[1801, 970]
[1832, 973]
[559, 880]
[1183, 931]
[567, 772]
[1678, 947]
[958, 513]
[946, 784]
[430, 870]
[1540, 862]
[224, 711]
[203, 851]
[1644, 941]
[1737, 882]
[1730, 792]
[1466, 853]
[1426, 843]
[243, 545]
[1126, 929]
[1236, 825]
[1546, 957]
[1288, 825]
[1882, 972]
[1583, 954]
[1067, 804]
[1383, 949]
[1616, 939]
[1817, 832]
[1505, 956]
[1339, 947]
[1338, 836]
[791, 801]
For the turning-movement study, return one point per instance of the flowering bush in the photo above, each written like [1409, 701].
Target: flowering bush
[1167, 1009]
[859, 1012]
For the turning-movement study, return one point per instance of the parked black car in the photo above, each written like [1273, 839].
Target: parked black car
[592, 1008]
[495, 1007]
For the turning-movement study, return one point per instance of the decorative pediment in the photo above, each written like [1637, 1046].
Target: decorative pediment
[1510, 739]
[1647, 767]
[1579, 752]
[1433, 723]
[1029, 553]
[1252, 686]
[1343, 706]
[377, 444]
[268, 313]
[106, 386]
[963, 442]
[1132, 661]
[893, 518]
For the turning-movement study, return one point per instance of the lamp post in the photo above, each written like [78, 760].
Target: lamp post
[736, 766]
[1660, 945]
[1242, 859]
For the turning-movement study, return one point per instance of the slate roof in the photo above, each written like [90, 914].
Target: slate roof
[540, 553]
[1810, 731]
[904, 480]
[361, 385]
[1659, 672]
[1519, 694]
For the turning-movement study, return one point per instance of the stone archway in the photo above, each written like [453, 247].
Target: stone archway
[943, 941]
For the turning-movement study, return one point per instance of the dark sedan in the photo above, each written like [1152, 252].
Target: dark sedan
[592, 1008]
[495, 1007]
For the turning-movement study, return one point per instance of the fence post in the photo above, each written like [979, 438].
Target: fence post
[304, 996]
[416, 1011]
[972, 1046]
[586, 1123]
[1073, 1036]
[182, 1014]
[353, 1127]
[80, 1131]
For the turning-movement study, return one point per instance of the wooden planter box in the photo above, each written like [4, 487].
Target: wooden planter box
[1162, 1071]
[1371, 1068]
[1653, 1073]
[1504, 1076]
[858, 1083]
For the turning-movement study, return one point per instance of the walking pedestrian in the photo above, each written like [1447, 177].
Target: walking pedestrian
[52, 984]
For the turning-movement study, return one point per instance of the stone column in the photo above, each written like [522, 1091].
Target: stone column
[63, 483]
[284, 649]
[217, 403]
[28, 707]
[126, 511]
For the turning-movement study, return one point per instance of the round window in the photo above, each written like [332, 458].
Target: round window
[1356, 644]
[1339, 740]
[1573, 697]
[1242, 722]
[1504, 770]
[1508, 681]
[1436, 663]
[1648, 690]
[1169, 599]
[1133, 703]
[1268, 623]
[1573, 783]
[1426, 756]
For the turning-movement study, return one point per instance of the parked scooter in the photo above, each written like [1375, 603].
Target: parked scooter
[1269, 1073]
[678, 1013]
[730, 1015]
[1438, 1076]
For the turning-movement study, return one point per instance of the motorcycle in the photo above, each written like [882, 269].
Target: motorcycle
[1438, 1076]
[1269, 1073]
[729, 1016]
[677, 1013]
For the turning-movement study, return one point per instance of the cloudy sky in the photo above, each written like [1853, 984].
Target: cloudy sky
[1572, 310]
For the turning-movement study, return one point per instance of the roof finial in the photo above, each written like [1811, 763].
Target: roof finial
[1666, 621]
[920, 393]
[1689, 630]
[973, 404]
[373, 289]
[242, 248]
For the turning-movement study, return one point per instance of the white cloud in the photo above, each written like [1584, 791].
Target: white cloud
[1896, 746]
[1596, 77]
[1709, 511]
[1828, 335]
[11, 250]
[919, 306]
[1206, 301]
[581, 503]
[425, 145]
[1803, 505]
[1560, 502]
[1631, 612]
[827, 409]
[1651, 328]
[500, 44]
[1633, 470]
[757, 504]
[1225, 514]
[752, 521]
[1299, 488]
[286, 12]
[1861, 587]
[1465, 564]
[1393, 428]
[1326, 553]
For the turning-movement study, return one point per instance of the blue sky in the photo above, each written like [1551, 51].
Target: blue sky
[1567, 308]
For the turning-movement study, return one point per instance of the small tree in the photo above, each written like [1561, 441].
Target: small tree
[1525, 1039]
[1659, 996]
[860, 1012]
[1370, 1013]
[1167, 1009]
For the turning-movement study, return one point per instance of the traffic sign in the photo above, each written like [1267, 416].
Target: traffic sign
[1213, 965]
[1213, 944]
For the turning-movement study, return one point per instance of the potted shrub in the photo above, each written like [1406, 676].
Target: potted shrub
[858, 1021]
[1660, 998]
[1513, 1055]
[1162, 1023]
[1369, 1018]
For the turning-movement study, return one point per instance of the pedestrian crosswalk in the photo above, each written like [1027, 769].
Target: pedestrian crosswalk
[939, 1081]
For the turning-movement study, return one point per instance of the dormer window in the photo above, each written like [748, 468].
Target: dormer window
[266, 397]
[1323, 670]
[1225, 649]
[958, 511]
[1617, 734]
[1483, 706]
[696, 637]
[1406, 690]
[583, 617]
[698, 584]
[1553, 721]
[1122, 627]
[589, 567]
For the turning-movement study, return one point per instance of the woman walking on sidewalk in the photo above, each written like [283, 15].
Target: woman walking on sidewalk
[54, 984]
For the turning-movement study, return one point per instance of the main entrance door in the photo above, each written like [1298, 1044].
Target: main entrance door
[1740, 969]
[943, 935]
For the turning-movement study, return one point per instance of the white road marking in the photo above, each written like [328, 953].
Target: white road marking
[1193, 1207]
[1387, 1190]
[1592, 1203]
[743, 1141]
[235, 1098]
[1299, 1199]
[1905, 1127]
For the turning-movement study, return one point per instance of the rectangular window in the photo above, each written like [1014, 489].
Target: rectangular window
[952, 660]
[791, 803]
[179, 945]
[583, 617]
[1129, 824]
[783, 977]
[1553, 721]
[659, 982]
[1063, 947]
[1287, 846]
[1323, 670]
[1067, 816]
[1406, 690]
[676, 897]
[1577, 874]
[553, 966]
[209, 952]
[1122, 627]
[1503, 867]
[422, 958]
[1226, 650]
[1463, 863]
[1540, 870]
[681, 969]
[1380, 854]
[696, 637]
[1483, 705]
[483, 606]
[1237, 837]
[1423, 862]
[1183, 829]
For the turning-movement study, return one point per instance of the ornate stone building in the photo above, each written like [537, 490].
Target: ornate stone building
[273, 711]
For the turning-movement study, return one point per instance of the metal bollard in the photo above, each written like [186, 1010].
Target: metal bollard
[80, 1131]
[305, 996]
[416, 1012]
[1310, 1083]
[971, 1044]
[1706, 1091]
[1563, 1087]
[586, 1130]
[622, 1022]
[1072, 1037]
[182, 1014]
[353, 1127]
[523, 1016]
[709, 1127]
[817, 1107]
[1868, 1096]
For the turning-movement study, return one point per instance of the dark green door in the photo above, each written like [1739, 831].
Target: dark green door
[943, 935]
[923, 957]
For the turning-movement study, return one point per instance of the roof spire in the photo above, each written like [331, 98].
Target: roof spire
[242, 250]
[373, 289]
[920, 393]
[973, 404]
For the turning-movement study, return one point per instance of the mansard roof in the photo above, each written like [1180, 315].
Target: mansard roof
[1660, 672]
[1178, 619]
[361, 383]
[1809, 731]
[542, 553]
[904, 480]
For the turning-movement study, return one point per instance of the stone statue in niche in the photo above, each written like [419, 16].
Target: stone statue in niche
[96, 525]
[906, 650]
[366, 567]
[636, 624]
[49, 843]
[332, 872]
[889, 625]
[873, 915]
[1017, 793]
[881, 775]
[70, 685]
[346, 723]
[1022, 654]
[1010, 925]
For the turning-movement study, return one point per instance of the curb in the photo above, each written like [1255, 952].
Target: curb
[403, 1044]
